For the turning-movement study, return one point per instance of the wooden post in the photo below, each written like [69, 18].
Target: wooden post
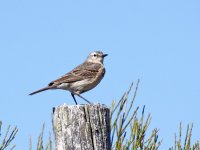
[82, 127]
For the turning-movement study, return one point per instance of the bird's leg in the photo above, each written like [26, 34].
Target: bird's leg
[74, 98]
[84, 98]
[81, 97]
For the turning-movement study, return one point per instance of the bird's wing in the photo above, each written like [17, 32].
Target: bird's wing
[83, 71]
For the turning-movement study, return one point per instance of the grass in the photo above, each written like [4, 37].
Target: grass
[8, 137]
[129, 129]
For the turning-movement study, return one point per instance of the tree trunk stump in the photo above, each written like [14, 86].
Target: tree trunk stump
[82, 127]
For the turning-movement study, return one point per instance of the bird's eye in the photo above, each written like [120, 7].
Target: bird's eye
[95, 55]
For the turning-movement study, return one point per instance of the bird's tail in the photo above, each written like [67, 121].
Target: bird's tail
[40, 90]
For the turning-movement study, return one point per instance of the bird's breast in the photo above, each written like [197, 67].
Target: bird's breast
[89, 83]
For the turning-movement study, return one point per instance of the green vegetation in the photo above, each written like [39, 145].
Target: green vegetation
[8, 137]
[186, 145]
[40, 143]
[128, 130]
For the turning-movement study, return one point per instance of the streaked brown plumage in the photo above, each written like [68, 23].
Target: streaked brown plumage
[82, 78]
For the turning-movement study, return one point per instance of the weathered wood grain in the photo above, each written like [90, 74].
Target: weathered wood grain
[82, 127]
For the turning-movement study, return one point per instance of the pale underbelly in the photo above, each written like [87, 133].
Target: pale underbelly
[80, 86]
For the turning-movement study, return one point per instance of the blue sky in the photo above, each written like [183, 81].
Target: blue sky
[156, 41]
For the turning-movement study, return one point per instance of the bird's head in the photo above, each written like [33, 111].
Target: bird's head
[96, 57]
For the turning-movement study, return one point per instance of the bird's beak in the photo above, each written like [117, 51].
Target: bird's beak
[104, 55]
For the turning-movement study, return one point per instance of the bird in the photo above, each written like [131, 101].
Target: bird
[82, 78]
